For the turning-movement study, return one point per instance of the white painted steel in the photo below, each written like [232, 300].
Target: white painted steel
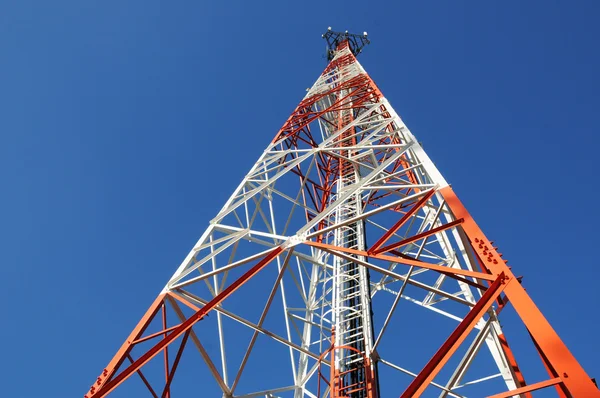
[270, 208]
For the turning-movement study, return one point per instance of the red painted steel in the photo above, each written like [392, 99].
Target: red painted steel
[384, 238]
[528, 389]
[435, 364]
[185, 326]
[566, 374]
[417, 237]
[560, 360]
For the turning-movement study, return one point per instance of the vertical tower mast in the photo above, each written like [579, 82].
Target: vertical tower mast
[352, 309]
[302, 305]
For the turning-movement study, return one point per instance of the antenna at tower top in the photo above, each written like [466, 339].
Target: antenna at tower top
[355, 42]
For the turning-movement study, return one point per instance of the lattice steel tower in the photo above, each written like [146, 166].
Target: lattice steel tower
[343, 265]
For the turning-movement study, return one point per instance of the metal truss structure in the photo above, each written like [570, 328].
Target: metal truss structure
[355, 42]
[343, 265]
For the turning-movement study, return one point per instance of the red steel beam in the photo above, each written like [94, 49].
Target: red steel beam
[141, 361]
[401, 222]
[548, 366]
[529, 388]
[126, 347]
[419, 236]
[153, 335]
[167, 390]
[518, 374]
[434, 267]
[575, 379]
[146, 382]
[439, 359]
[400, 260]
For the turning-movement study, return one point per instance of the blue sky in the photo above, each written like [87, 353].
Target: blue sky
[126, 125]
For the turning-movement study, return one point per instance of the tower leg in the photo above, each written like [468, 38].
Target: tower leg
[558, 356]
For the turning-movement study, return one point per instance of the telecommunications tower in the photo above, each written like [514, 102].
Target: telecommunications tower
[343, 265]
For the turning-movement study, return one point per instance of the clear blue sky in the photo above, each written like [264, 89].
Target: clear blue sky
[125, 125]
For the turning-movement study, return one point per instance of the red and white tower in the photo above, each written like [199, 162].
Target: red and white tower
[343, 265]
